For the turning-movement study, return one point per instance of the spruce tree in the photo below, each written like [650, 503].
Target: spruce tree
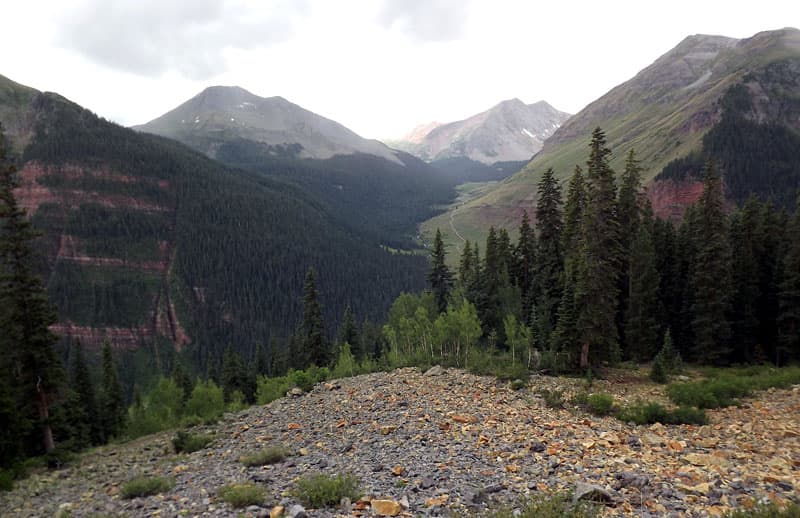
[550, 263]
[642, 307]
[440, 278]
[573, 213]
[27, 344]
[348, 333]
[789, 296]
[598, 261]
[525, 259]
[112, 403]
[711, 276]
[312, 339]
[746, 241]
[81, 384]
[233, 374]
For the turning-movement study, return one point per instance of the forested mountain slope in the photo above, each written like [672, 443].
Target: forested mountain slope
[149, 243]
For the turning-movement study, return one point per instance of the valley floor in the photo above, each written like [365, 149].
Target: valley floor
[449, 442]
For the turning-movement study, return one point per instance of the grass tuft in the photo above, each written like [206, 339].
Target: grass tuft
[551, 506]
[651, 413]
[146, 486]
[322, 490]
[600, 404]
[185, 442]
[270, 455]
[767, 511]
[242, 495]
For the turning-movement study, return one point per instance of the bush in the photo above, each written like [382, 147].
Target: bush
[206, 402]
[321, 490]
[499, 365]
[242, 495]
[553, 398]
[346, 365]
[270, 389]
[727, 386]
[600, 404]
[270, 455]
[146, 486]
[185, 442]
[658, 373]
[517, 384]
[6, 480]
[651, 413]
[552, 506]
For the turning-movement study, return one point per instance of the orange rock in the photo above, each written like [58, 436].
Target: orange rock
[439, 500]
[512, 468]
[294, 426]
[387, 429]
[464, 418]
[398, 470]
[277, 511]
[386, 507]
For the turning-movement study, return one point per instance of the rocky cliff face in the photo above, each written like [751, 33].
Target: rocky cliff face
[509, 131]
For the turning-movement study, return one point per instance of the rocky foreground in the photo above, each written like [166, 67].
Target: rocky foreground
[448, 443]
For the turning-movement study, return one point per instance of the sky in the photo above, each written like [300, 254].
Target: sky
[380, 67]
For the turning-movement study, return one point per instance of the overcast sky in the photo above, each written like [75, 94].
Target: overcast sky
[379, 67]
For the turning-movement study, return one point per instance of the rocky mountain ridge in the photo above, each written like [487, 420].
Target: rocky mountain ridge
[509, 131]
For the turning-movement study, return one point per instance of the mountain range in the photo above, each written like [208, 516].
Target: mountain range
[702, 99]
[509, 131]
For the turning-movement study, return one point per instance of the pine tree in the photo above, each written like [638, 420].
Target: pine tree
[746, 241]
[182, 380]
[440, 279]
[598, 262]
[348, 333]
[81, 384]
[573, 213]
[26, 342]
[313, 340]
[711, 276]
[112, 404]
[550, 263]
[789, 296]
[525, 269]
[629, 213]
[262, 360]
[233, 374]
[641, 324]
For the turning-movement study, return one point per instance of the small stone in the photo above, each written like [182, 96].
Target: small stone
[436, 370]
[786, 486]
[538, 447]
[387, 429]
[386, 507]
[398, 470]
[303, 451]
[404, 502]
[277, 511]
[297, 511]
[345, 505]
[592, 493]
[426, 483]
[295, 392]
[253, 508]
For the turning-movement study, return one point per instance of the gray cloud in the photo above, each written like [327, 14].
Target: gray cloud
[150, 37]
[426, 20]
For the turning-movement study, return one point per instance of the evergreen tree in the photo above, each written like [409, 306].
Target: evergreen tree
[440, 278]
[313, 339]
[183, 380]
[233, 374]
[789, 296]
[112, 404]
[711, 277]
[525, 269]
[81, 384]
[26, 343]
[641, 324]
[550, 263]
[598, 263]
[573, 213]
[262, 360]
[348, 333]
[746, 242]
[629, 213]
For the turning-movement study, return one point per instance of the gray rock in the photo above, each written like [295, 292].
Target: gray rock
[297, 511]
[295, 392]
[592, 493]
[538, 447]
[436, 370]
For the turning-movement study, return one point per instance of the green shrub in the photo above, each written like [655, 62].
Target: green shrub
[270, 455]
[517, 384]
[725, 387]
[658, 373]
[600, 404]
[270, 389]
[242, 495]
[185, 442]
[499, 365]
[146, 486]
[237, 402]
[767, 511]
[6, 480]
[346, 365]
[322, 490]
[553, 398]
[551, 506]
[650, 413]
[206, 402]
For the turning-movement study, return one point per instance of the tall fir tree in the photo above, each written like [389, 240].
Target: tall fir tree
[573, 213]
[629, 213]
[313, 340]
[596, 288]
[525, 270]
[789, 296]
[81, 384]
[440, 278]
[233, 376]
[26, 342]
[550, 263]
[746, 242]
[711, 275]
[112, 403]
[642, 307]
